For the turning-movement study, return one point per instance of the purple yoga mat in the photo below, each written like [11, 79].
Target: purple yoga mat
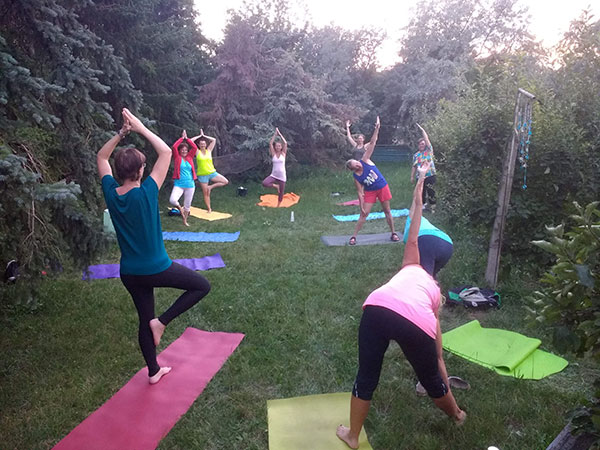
[112, 270]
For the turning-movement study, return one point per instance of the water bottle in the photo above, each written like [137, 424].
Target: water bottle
[292, 217]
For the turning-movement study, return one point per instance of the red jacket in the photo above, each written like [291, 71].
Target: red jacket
[189, 157]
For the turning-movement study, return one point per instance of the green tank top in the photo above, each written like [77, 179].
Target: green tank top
[205, 163]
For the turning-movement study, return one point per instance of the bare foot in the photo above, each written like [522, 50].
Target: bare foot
[185, 214]
[157, 330]
[209, 210]
[344, 434]
[158, 375]
[460, 418]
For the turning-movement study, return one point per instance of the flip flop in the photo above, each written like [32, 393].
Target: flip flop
[352, 241]
[394, 235]
[455, 383]
[458, 383]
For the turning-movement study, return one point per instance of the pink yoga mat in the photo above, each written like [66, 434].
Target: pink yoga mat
[139, 415]
[349, 203]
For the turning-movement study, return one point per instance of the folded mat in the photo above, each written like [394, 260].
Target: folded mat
[372, 216]
[361, 239]
[205, 215]
[200, 236]
[270, 200]
[139, 415]
[101, 271]
[506, 352]
[310, 422]
[349, 203]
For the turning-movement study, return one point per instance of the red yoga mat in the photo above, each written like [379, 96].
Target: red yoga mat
[139, 415]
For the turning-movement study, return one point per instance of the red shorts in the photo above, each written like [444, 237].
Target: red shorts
[382, 194]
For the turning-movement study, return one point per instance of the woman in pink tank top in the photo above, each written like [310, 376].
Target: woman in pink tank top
[405, 310]
[278, 152]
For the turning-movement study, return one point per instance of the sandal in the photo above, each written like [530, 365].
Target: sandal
[352, 241]
[394, 237]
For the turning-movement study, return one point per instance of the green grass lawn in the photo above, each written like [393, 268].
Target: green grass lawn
[299, 304]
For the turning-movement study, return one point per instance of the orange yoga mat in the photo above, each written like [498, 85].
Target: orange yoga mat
[270, 200]
[139, 415]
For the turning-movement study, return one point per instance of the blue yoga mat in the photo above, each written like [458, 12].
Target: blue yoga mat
[200, 236]
[372, 216]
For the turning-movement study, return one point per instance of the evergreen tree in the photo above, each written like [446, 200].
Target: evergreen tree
[59, 86]
[164, 51]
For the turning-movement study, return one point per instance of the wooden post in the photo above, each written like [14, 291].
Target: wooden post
[508, 171]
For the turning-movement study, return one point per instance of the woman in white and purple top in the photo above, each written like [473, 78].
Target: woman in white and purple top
[278, 152]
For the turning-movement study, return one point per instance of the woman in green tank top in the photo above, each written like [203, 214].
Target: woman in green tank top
[208, 177]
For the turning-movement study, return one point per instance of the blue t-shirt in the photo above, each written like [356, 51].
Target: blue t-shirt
[426, 229]
[137, 223]
[186, 178]
[370, 177]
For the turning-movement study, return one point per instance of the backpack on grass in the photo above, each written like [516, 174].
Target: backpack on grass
[474, 297]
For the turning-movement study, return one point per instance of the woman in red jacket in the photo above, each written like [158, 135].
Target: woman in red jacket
[184, 175]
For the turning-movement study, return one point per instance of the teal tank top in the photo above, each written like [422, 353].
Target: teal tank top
[137, 224]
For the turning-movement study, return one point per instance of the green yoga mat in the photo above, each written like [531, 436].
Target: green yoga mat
[506, 352]
[303, 423]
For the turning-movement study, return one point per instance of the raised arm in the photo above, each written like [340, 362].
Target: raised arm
[211, 141]
[349, 135]
[284, 142]
[411, 250]
[370, 147]
[426, 138]
[159, 171]
[102, 159]
[190, 142]
[272, 143]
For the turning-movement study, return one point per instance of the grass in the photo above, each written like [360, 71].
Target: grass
[299, 304]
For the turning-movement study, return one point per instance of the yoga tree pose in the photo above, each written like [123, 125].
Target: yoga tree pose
[370, 186]
[206, 169]
[145, 265]
[425, 154]
[406, 310]
[278, 152]
[358, 145]
[184, 174]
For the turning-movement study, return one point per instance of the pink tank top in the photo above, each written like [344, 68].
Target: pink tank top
[278, 171]
[413, 294]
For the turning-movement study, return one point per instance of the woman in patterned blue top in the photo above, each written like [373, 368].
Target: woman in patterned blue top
[425, 154]
[133, 208]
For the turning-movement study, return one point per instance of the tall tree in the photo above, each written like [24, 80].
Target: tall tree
[57, 82]
[161, 44]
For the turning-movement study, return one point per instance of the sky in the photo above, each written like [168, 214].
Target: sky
[549, 18]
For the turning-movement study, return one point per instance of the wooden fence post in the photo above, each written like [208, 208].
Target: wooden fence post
[508, 171]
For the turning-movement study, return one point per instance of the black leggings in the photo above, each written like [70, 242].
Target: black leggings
[428, 191]
[377, 327]
[434, 253]
[141, 288]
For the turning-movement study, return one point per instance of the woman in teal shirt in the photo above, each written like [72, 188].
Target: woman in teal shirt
[145, 265]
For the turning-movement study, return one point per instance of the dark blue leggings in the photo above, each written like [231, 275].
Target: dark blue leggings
[141, 288]
[434, 253]
[378, 327]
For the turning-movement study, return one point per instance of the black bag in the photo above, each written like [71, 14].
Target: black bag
[474, 297]
[12, 271]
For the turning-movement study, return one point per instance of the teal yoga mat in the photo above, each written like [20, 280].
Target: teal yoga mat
[506, 352]
[371, 216]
